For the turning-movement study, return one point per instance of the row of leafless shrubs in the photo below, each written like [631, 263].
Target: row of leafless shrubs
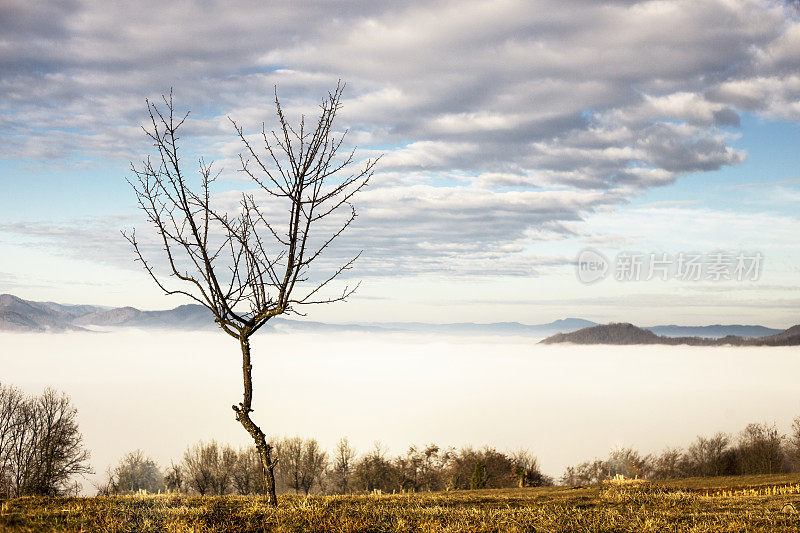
[757, 449]
[303, 467]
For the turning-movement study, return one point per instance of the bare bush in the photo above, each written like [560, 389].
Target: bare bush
[585, 473]
[485, 468]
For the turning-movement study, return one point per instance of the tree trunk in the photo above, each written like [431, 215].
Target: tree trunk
[243, 411]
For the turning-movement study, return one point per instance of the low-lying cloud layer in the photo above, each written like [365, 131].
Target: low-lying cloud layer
[402, 390]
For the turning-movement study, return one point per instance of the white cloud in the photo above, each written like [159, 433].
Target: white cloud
[581, 105]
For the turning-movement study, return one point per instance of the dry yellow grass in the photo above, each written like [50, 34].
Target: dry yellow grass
[686, 505]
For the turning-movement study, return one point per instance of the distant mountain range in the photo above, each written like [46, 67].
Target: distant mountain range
[629, 334]
[21, 315]
[17, 314]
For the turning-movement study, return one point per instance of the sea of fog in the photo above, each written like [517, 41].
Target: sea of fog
[161, 391]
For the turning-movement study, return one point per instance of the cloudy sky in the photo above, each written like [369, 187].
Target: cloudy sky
[514, 135]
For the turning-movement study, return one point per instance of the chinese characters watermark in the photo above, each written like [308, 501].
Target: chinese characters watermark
[593, 266]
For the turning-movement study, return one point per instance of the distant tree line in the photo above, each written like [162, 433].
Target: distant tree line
[41, 448]
[757, 449]
[209, 468]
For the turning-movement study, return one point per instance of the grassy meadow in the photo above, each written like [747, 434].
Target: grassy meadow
[751, 503]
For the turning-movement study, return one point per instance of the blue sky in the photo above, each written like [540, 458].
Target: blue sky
[772, 157]
[514, 135]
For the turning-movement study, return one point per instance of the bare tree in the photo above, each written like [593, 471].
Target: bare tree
[11, 400]
[343, 465]
[302, 463]
[669, 464]
[134, 472]
[247, 476]
[208, 467]
[173, 478]
[760, 449]
[527, 472]
[24, 441]
[41, 447]
[793, 445]
[247, 268]
[710, 456]
[420, 468]
[628, 462]
[374, 471]
[315, 461]
[290, 470]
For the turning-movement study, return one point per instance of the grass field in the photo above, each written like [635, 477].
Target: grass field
[748, 503]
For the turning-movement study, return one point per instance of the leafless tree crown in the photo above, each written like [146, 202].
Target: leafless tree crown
[253, 265]
[41, 447]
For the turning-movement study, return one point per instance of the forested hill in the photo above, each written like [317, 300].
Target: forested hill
[624, 333]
